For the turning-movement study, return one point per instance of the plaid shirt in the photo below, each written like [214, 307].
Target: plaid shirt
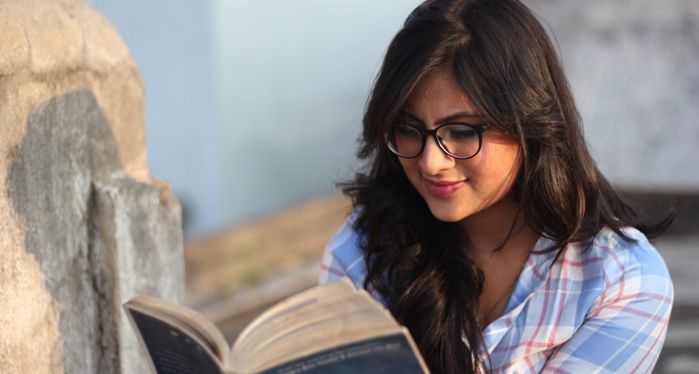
[600, 310]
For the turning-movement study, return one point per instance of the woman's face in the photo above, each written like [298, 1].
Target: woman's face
[457, 189]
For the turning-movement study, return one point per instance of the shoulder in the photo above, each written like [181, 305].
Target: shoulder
[632, 268]
[343, 255]
[622, 256]
[622, 309]
[609, 272]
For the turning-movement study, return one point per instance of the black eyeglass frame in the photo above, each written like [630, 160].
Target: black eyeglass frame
[424, 133]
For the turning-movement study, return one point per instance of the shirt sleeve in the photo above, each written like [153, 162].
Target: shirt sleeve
[330, 268]
[625, 329]
[343, 257]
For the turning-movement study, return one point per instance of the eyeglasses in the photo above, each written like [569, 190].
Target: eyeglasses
[457, 140]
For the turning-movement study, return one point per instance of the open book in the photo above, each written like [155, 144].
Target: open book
[333, 328]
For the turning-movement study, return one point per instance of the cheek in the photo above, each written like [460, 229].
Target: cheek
[497, 168]
[412, 170]
[409, 166]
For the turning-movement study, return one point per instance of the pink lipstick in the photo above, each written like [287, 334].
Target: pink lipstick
[442, 189]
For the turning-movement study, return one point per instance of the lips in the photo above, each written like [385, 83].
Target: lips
[442, 189]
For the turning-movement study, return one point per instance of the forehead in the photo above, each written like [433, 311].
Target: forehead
[438, 94]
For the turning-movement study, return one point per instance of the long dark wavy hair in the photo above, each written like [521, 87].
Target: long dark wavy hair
[502, 58]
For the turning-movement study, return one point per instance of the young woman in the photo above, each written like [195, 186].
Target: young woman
[483, 223]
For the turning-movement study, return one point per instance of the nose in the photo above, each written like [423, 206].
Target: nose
[432, 159]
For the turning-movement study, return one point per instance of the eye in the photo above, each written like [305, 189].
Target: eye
[405, 131]
[458, 132]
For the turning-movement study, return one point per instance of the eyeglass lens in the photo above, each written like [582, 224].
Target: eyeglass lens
[457, 140]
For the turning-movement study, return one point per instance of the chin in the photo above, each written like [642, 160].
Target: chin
[445, 214]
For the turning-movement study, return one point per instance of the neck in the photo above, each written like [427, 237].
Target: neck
[492, 229]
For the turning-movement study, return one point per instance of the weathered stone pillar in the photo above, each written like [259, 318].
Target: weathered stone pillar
[82, 225]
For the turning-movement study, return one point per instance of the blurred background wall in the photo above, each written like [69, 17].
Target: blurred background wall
[633, 68]
[253, 106]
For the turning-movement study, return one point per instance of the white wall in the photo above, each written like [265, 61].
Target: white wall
[292, 80]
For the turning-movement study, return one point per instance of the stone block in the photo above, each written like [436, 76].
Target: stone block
[13, 43]
[57, 36]
[98, 236]
[54, 37]
[103, 46]
[82, 225]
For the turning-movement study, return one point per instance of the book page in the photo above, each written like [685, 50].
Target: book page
[177, 321]
[171, 349]
[308, 327]
[333, 320]
[293, 304]
[331, 308]
[324, 335]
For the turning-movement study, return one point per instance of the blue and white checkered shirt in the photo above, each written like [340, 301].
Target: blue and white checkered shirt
[600, 310]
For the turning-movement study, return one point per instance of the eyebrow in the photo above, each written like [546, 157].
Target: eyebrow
[449, 118]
